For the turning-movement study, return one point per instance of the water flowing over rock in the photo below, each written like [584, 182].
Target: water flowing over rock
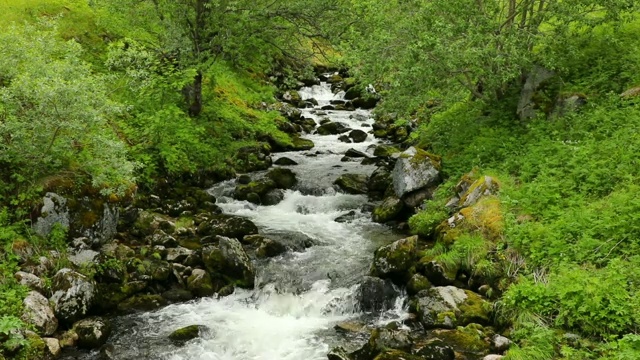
[73, 295]
[415, 169]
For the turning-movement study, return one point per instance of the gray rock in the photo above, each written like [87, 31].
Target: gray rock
[29, 280]
[38, 313]
[493, 357]
[73, 295]
[448, 307]
[375, 294]
[200, 283]
[396, 260]
[54, 211]
[52, 347]
[178, 254]
[414, 170]
[228, 260]
[500, 343]
[352, 183]
[83, 257]
[273, 197]
[92, 332]
[285, 161]
[526, 105]
[390, 208]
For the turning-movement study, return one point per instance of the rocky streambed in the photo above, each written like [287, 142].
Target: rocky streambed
[302, 257]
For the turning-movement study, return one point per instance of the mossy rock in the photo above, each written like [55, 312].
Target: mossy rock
[352, 183]
[228, 261]
[389, 210]
[393, 354]
[484, 186]
[385, 150]
[146, 302]
[283, 178]
[396, 261]
[469, 340]
[448, 307]
[227, 226]
[417, 283]
[300, 144]
[259, 187]
[34, 349]
[181, 336]
[200, 283]
[92, 332]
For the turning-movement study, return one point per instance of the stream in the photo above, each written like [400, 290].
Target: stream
[300, 296]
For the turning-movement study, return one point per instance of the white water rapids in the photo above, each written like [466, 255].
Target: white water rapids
[299, 296]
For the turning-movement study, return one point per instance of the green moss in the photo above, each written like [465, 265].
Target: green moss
[474, 309]
[185, 334]
[469, 339]
[34, 348]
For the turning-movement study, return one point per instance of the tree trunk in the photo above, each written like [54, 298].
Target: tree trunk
[193, 95]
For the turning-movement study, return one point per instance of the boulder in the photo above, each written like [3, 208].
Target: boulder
[181, 336]
[365, 102]
[448, 307]
[358, 136]
[285, 161]
[338, 354]
[273, 197]
[483, 186]
[144, 302]
[379, 180]
[54, 211]
[352, 183]
[433, 349]
[292, 97]
[178, 254]
[227, 226]
[382, 340]
[346, 217]
[29, 280]
[500, 343]
[258, 187]
[437, 273]
[200, 284]
[353, 153]
[252, 158]
[385, 150]
[415, 169]
[344, 139]
[333, 128]
[38, 313]
[392, 354]
[73, 295]
[228, 261]
[396, 261]
[389, 210]
[375, 294]
[148, 223]
[53, 348]
[469, 342]
[270, 248]
[283, 178]
[417, 283]
[92, 332]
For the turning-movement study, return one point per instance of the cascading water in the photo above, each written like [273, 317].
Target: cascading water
[300, 295]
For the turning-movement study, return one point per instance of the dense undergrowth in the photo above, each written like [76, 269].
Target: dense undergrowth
[567, 255]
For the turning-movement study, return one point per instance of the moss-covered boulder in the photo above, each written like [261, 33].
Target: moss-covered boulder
[149, 222]
[396, 261]
[339, 354]
[385, 150]
[92, 332]
[180, 336]
[469, 342]
[392, 354]
[283, 178]
[200, 283]
[389, 210]
[144, 302]
[433, 349]
[448, 307]
[382, 340]
[484, 186]
[352, 183]
[227, 260]
[259, 187]
[292, 97]
[358, 136]
[367, 101]
[436, 272]
[417, 283]
[227, 226]
[300, 144]
[252, 158]
[415, 169]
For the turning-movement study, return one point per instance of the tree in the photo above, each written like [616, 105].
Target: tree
[197, 33]
[55, 115]
[471, 47]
